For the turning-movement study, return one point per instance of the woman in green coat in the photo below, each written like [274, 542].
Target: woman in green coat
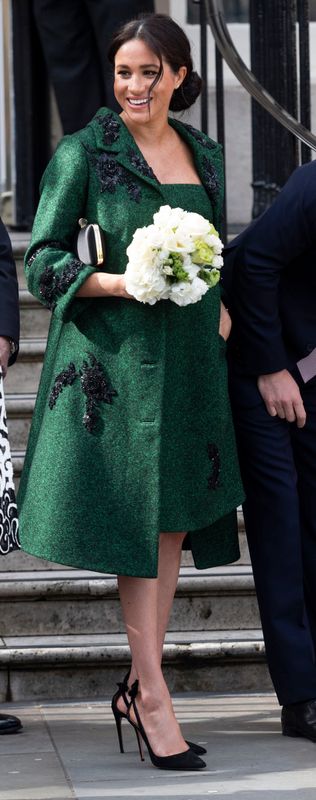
[131, 451]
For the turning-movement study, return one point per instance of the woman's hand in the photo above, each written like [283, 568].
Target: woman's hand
[104, 284]
[121, 287]
[225, 323]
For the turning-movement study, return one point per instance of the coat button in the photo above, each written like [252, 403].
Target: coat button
[310, 347]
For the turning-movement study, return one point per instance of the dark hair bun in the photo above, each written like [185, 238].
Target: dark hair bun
[188, 92]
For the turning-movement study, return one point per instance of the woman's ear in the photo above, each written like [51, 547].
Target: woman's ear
[182, 71]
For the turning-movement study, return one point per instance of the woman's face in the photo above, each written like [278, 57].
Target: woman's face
[136, 67]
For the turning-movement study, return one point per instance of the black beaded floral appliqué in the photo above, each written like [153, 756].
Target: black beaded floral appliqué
[65, 378]
[111, 175]
[210, 178]
[96, 389]
[94, 384]
[55, 245]
[54, 284]
[200, 138]
[139, 163]
[110, 128]
[213, 454]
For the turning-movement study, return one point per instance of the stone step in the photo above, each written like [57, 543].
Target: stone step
[24, 376]
[19, 410]
[22, 562]
[79, 602]
[17, 461]
[72, 667]
[20, 243]
[35, 318]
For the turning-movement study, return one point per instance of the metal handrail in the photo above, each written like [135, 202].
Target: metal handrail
[215, 17]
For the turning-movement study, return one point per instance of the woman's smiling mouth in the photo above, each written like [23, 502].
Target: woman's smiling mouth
[136, 103]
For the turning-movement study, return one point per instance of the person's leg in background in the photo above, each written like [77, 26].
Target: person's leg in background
[71, 55]
[272, 518]
[304, 447]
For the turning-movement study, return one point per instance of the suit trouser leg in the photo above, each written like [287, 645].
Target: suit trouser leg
[70, 51]
[304, 448]
[273, 526]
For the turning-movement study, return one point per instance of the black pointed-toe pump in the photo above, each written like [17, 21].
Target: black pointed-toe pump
[122, 692]
[187, 760]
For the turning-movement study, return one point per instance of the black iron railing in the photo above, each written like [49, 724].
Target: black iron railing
[213, 15]
[271, 143]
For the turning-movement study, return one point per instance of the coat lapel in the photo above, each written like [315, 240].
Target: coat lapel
[113, 137]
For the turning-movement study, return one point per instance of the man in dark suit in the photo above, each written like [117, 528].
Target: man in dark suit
[9, 342]
[270, 281]
[75, 35]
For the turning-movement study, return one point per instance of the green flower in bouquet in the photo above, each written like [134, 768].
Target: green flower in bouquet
[203, 253]
[173, 267]
[210, 276]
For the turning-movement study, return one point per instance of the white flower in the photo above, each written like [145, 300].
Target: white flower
[173, 242]
[147, 285]
[183, 294]
[144, 279]
[168, 217]
[167, 270]
[215, 243]
[191, 269]
[217, 262]
[196, 224]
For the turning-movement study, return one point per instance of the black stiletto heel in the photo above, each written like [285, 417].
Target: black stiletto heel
[118, 721]
[117, 713]
[186, 760]
[122, 692]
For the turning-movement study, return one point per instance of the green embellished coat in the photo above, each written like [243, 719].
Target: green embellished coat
[132, 432]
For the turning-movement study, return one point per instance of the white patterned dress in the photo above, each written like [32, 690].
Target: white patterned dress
[9, 525]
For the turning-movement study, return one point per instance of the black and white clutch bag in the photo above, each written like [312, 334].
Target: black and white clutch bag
[90, 243]
[9, 526]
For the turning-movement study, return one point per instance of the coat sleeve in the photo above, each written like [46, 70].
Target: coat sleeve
[279, 236]
[9, 295]
[54, 272]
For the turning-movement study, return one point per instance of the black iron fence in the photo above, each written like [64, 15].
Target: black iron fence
[278, 82]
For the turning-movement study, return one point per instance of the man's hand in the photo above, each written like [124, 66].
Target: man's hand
[225, 323]
[4, 354]
[282, 397]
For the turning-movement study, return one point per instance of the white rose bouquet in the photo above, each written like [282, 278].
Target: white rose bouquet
[176, 258]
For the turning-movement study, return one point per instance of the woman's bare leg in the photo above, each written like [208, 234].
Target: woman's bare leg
[168, 574]
[146, 611]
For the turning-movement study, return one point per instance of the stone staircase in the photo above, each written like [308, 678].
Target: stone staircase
[61, 631]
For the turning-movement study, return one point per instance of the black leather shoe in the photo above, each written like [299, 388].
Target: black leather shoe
[9, 724]
[299, 719]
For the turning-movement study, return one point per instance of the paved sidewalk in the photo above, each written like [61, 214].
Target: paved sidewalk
[69, 750]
